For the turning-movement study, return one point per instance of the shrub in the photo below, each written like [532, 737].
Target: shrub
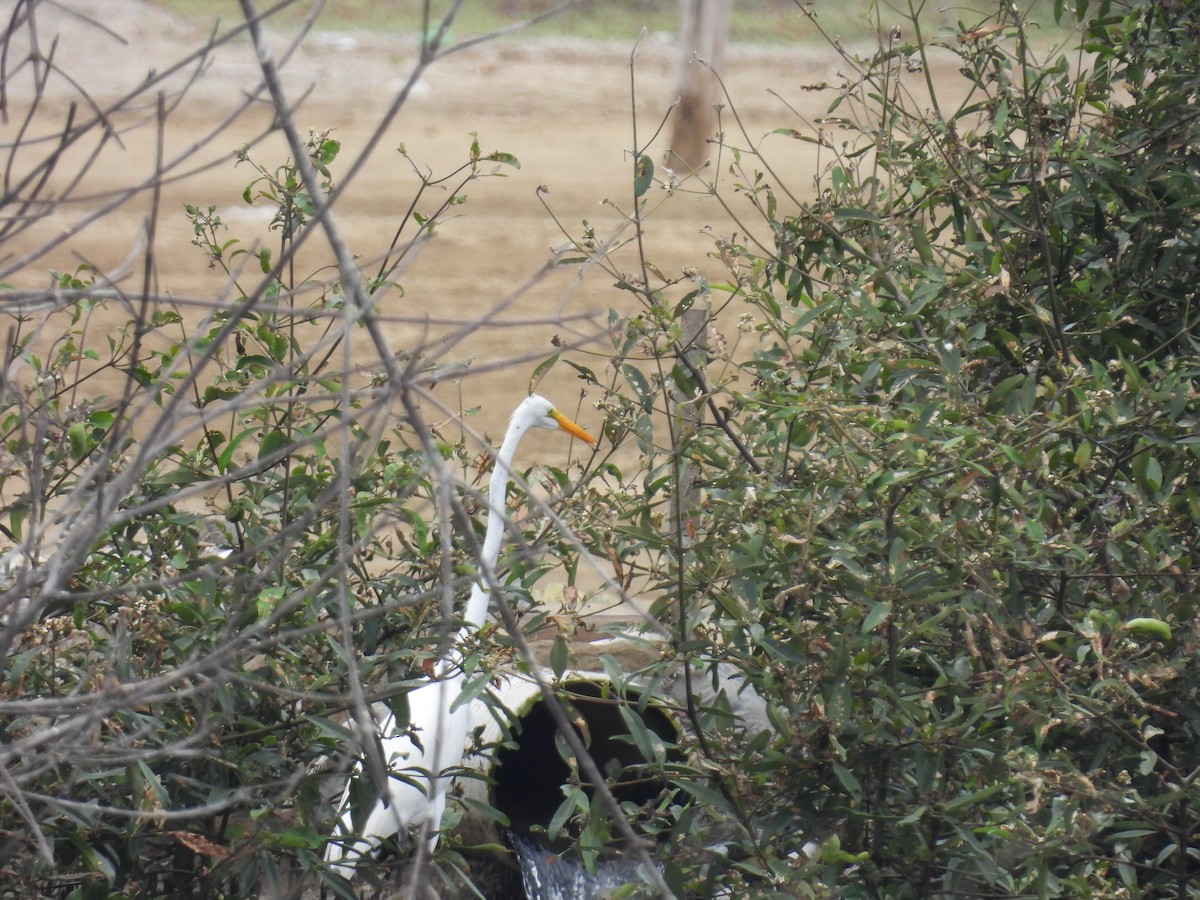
[948, 527]
[916, 491]
[209, 557]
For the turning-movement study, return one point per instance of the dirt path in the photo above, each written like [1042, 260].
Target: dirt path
[562, 107]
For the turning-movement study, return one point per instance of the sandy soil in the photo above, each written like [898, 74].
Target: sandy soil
[562, 107]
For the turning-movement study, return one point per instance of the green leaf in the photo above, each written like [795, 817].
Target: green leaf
[921, 243]
[489, 812]
[584, 372]
[854, 214]
[93, 860]
[1006, 385]
[714, 800]
[832, 853]
[575, 801]
[1149, 759]
[77, 440]
[560, 656]
[849, 781]
[1152, 474]
[472, 689]
[175, 477]
[540, 372]
[300, 836]
[226, 457]
[643, 175]
[212, 394]
[974, 798]
[637, 381]
[649, 746]
[272, 442]
[505, 158]
[328, 151]
[877, 616]
[1150, 627]
[643, 433]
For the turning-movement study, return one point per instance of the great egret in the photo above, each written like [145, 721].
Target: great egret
[437, 735]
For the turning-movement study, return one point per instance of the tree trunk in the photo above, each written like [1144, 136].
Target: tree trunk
[703, 33]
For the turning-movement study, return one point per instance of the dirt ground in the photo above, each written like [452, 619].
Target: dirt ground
[564, 108]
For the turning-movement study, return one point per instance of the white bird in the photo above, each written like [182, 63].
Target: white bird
[416, 792]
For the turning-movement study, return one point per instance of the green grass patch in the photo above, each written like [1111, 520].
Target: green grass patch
[753, 21]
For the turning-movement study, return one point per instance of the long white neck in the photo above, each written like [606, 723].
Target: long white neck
[477, 605]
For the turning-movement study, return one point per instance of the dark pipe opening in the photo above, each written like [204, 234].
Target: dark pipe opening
[528, 777]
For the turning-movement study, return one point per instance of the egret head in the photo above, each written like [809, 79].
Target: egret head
[538, 412]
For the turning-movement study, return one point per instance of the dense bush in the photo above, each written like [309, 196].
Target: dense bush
[951, 491]
[173, 649]
[235, 540]
[923, 489]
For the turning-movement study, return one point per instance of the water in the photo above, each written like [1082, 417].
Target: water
[548, 875]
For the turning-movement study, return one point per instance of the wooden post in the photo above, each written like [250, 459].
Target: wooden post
[688, 415]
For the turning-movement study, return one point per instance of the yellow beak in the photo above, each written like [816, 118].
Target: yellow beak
[570, 427]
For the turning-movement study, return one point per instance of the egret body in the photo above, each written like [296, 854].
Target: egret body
[436, 739]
